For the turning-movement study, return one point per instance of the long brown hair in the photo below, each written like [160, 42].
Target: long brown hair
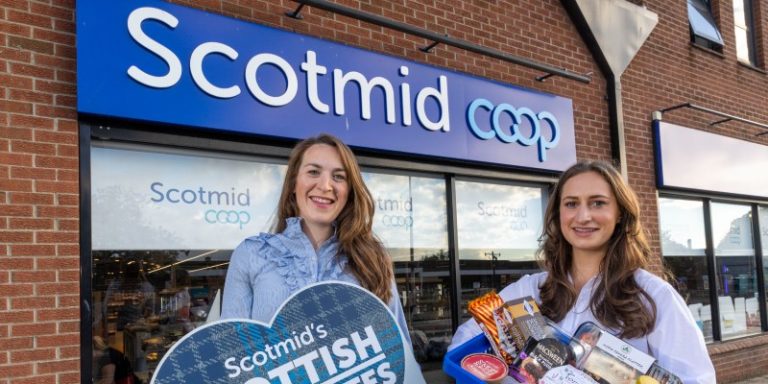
[617, 301]
[367, 259]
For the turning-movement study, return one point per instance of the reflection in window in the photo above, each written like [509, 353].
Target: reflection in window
[411, 221]
[164, 226]
[745, 33]
[682, 227]
[703, 28]
[682, 245]
[144, 301]
[498, 230]
[736, 270]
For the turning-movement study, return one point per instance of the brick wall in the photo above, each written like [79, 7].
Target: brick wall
[39, 251]
[668, 71]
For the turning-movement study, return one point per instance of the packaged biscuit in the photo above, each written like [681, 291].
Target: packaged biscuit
[566, 374]
[526, 320]
[610, 360]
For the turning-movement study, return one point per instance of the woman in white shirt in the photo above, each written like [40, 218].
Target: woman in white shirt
[594, 252]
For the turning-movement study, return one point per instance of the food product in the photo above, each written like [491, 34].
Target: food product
[489, 368]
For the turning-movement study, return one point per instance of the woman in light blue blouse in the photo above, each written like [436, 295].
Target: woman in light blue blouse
[323, 232]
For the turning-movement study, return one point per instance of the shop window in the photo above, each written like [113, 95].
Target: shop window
[745, 31]
[736, 270]
[703, 28]
[732, 257]
[164, 224]
[411, 221]
[683, 246]
[498, 230]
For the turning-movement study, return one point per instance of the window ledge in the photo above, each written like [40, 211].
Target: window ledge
[752, 67]
[709, 50]
[732, 345]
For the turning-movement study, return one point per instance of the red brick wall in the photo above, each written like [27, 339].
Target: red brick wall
[668, 71]
[39, 251]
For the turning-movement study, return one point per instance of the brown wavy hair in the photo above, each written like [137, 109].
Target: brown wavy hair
[617, 301]
[367, 259]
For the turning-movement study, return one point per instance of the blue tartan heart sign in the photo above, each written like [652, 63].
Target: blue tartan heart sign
[326, 333]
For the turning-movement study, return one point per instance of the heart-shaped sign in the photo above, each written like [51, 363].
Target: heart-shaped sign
[326, 333]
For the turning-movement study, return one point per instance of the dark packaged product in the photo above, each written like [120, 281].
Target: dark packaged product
[526, 320]
[540, 356]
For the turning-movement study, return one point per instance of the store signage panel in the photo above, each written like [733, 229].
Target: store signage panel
[693, 159]
[153, 61]
[149, 200]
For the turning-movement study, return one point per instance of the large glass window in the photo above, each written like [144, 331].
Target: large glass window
[683, 246]
[164, 224]
[498, 226]
[411, 221]
[736, 269]
[703, 28]
[745, 31]
[732, 257]
[165, 221]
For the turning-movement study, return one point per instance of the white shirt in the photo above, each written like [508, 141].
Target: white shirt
[675, 341]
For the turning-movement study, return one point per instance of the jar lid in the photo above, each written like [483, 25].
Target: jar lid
[485, 366]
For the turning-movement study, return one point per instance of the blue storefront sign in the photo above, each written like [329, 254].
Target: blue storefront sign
[153, 61]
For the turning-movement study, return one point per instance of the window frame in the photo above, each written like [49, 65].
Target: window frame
[698, 36]
[749, 28]
[714, 284]
[93, 129]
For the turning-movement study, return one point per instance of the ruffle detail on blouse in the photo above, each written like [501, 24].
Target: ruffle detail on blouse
[292, 253]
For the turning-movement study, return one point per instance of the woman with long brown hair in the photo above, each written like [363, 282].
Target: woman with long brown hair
[323, 231]
[594, 253]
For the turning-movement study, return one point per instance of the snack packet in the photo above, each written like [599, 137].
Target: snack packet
[540, 356]
[526, 320]
[482, 309]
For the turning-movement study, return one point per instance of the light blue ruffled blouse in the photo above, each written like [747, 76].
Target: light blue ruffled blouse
[265, 270]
